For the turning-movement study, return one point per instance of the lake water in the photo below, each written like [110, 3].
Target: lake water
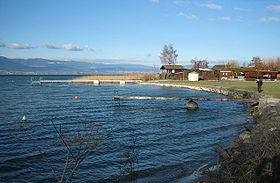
[170, 141]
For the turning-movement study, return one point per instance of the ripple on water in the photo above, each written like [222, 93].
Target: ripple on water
[170, 141]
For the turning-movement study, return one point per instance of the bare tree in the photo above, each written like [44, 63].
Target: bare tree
[128, 162]
[232, 64]
[257, 62]
[168, 55]
[78, 147]
[199, 64]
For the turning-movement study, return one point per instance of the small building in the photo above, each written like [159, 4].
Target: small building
[193, 76]
[172, 69]
[261, 74]
[221, 73]
[226, 74]
[174, 72]
[207, 74]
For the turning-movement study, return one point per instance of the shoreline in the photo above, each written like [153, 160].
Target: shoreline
[255, 151]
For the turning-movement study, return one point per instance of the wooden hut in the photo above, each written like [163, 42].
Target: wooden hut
[174, 72]
[261, 74]
[207, 74]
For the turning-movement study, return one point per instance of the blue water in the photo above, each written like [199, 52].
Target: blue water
[170, 141]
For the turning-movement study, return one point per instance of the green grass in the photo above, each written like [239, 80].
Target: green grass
[269, 88]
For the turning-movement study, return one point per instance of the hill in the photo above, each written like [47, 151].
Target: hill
[45, 66]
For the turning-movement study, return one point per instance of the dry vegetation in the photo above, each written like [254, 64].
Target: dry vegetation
[255, 155]
[136, 76]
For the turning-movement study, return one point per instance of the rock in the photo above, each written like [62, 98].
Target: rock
[192, 106]
[245, 137]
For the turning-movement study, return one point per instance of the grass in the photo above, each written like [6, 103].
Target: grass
[269, 88]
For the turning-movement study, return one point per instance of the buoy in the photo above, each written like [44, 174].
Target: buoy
[24, 118]
[192, 106]
[76, 97]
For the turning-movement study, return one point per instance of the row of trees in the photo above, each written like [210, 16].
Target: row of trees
[169, 56]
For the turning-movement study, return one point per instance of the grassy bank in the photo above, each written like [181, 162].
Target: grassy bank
[269, 88]
[136, 76]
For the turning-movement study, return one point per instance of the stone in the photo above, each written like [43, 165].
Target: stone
[192, 106]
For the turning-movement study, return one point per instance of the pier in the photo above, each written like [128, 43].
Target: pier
[191, 105]
[182, 98]
[95, 82]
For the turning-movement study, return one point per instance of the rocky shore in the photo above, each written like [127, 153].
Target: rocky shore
[254, 155]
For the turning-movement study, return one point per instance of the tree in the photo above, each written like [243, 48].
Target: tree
[232, 64]
[257, 62]
[78, 146]
[168, 55]
[199, 64]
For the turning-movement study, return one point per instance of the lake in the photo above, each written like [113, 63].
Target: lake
[169, 140]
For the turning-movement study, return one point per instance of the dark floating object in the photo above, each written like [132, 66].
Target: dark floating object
[192, 106]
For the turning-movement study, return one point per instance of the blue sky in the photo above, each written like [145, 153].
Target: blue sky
[135, 31]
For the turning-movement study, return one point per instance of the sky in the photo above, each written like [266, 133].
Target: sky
[135, 31]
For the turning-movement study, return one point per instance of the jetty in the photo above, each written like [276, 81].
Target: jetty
[191, 105]
[184, 98]
[94, 82]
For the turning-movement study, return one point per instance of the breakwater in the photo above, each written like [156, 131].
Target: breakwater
[254, 155]
[236, 93]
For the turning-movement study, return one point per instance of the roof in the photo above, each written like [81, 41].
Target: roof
[219, 67]
[206, 69]
[169, 67]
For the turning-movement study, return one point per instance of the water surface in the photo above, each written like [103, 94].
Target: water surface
[170, 141]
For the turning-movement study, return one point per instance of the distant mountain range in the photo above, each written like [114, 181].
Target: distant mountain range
[45, 66]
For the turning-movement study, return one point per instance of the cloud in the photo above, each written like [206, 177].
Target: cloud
[274, 8]
[20, 46]
[155, 1]
[269, 19]
[50, 46]
[71, 47]
[226, 18]
[212, 6]
[192, 17]
[181, 2]
[2, 44]
[148, 54]
[89, 48]
[241, 9]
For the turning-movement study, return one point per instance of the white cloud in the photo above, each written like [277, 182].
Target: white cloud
[192, 17]
[181, 2]
[241, 9]
[274, 8]
[2, 44]
[212, 6]
[269, 19]
[159, 55]
[181, 14]
[50, 46]
[226, 18]
[71, 47]
[20, 46]
[89, 48]
[155, 1]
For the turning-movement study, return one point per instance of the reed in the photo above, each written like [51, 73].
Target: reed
[135, 76]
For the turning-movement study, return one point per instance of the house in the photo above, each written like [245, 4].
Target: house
[174, 72]
[221, 73]
[207, 74]
[262, 74]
